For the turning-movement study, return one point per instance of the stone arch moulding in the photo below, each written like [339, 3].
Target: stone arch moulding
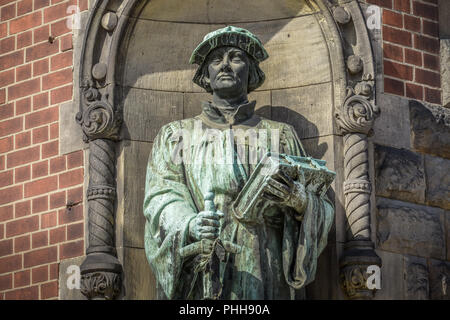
[100, 118]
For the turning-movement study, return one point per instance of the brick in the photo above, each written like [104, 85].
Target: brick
[6, 111]
[75, 231]
[392, 52]
[59, 28]
[22, 278]
[41, 50]
[430, 78]
[56, 12]
[431, 62]
[61, 94]
[402, 5]
[24, 7]
[40, 118]
[6, 178]
[49, 290]
[413, 57]
[40, 135]
[22, 174]
[22, 209]
[8, 12]
[24, 89]
[84, 5]
[430, 28]
[2, 231]
[41, 256]
[29, 293]
[24, 39]
[40, 67]
[61, 60]
[2, 162]
[7, 45]
[5, 282]
[57, 79]
[397, 36]
[58, 235]
[23, 139]
[48, 220]
[38, 4]
[24, 156]
[427, 44]
[58, 200]
[71, 249]
[7, 77]
[39, 239]
[425, 10]
[394, 86]
[433, 96]
[23, 72]
[50, 149]
[40, 204]
[6, 213]
[10, 263]
[23, 106]
[3, 29]
[6, 247]
[412, 23]
[381, 3]
[40, 101]
[392, 18]
[75, 214]
[22, 243]
[25, 22]
[6, 144]
[66, 43]
[57, 164]
[54, 271]
[75, 159]
[21, 226]
[10, 194]
[398, 70]
[41, 186]
[414, 91]
[39, 274]
[71, 178]
[41, 34]
[54, 131]
[2, 96]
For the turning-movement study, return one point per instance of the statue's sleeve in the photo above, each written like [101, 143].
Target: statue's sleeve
[168, 209]
[304, 241]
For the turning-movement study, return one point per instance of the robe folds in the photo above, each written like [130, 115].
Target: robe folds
[217, 152]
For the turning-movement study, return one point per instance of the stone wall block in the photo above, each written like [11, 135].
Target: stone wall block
[416, 275]
[439, 280]
[438, 181]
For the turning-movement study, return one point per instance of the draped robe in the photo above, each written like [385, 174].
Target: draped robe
[278, 253]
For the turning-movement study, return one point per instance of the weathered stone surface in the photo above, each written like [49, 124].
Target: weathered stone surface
[416, 275]
[444, 19]
[439, 280]
[412, 229]
[307, 109]
[428, 135]
[70, 133]
[438, 181]
[399, 174]
[139, 282]
[145, 111]
[392, 281]
[393, 121]
[224, 12]
[69, 287]
[445, 66]
[447, 226]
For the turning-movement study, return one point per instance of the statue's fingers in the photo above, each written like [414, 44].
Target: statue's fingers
[210, 222]
[209, 229]
[279, 186]
[284, 177]
[211, 215]
[271, 197]
[276, 192]
[211, 236]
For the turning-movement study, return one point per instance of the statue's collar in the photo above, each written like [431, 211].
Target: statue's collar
[228, 115]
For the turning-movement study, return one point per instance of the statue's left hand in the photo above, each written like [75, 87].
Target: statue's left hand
[285, 191]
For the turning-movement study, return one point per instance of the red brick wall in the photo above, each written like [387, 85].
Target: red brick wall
[38, 224]
[411, 48]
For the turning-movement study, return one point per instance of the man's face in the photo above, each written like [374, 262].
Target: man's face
[228, 69]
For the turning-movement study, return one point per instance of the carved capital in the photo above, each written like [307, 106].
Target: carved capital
[357, 113]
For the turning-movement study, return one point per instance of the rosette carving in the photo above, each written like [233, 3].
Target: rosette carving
[101, 285]
[357, 114]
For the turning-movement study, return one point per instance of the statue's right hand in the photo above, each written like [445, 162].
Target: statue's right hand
[205, 225]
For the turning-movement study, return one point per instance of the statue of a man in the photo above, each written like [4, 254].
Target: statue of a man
[196, 246]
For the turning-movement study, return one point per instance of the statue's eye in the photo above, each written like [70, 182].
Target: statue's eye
[216, 60]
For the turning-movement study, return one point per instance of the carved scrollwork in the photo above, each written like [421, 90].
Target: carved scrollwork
[104, 285]
[353, 280]
[357, 114]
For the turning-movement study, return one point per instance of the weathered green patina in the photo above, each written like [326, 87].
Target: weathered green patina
[197, 245]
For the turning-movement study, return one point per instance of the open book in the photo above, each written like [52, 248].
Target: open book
[312, 173]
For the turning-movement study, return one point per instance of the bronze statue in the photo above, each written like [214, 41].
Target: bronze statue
[234, 207]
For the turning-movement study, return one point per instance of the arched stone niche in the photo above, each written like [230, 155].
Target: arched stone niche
[135, 77]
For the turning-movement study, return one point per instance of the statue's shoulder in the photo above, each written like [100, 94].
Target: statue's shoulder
[272, 124]
[176, 125]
